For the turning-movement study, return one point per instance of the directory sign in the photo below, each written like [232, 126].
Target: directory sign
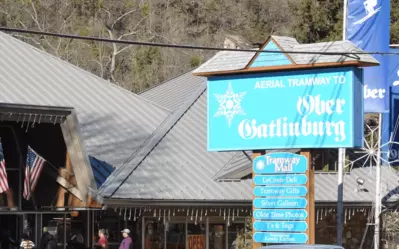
[280, 198]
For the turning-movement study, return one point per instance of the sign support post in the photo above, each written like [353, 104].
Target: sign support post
[341, 158]
[310, 220]
[378, 188]
[255, 154]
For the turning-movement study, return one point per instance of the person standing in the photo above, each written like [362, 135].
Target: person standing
[26, 242]
[45, 239]
[127, 242]
[102, 242]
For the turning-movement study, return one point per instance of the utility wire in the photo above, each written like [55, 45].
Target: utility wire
[154, 44]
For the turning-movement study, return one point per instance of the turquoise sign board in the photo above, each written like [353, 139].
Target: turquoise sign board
[281, 226]
[280, 179]
[280, 238]
[280, 214]
[286, 191]
[315, 108]
[280, 163]
[280, 203]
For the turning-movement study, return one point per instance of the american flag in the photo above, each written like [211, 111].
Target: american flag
[34, 166]
[3, 172]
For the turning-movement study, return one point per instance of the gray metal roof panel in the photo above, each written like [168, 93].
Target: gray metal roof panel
[114, 122]
[174, 92]
[326, 184]
[238, 167]
[180, 167]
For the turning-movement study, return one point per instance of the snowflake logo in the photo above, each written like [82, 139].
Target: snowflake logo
[229, 104]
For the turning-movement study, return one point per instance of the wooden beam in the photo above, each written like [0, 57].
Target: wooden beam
[69, 187]
[310, 209]
[78, 156]
[10, 198]
[65, 173]
[255, 154]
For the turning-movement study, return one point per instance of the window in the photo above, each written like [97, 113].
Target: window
[154, 233]
[217, 235]
[196, 234]
[135, 231]
[237, 234]
[176, 234]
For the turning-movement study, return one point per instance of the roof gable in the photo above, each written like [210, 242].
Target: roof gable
[270, 59]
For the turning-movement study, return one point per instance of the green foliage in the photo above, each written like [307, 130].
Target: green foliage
[394, 21]
[318, 20]
[83, 31]
[145, 9]
[195, 61]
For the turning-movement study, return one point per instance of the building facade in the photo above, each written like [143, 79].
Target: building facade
[146, 168]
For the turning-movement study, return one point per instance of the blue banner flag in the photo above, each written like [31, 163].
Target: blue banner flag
[368, 27]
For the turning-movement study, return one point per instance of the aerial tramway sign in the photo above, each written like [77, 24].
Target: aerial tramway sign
[298, 109]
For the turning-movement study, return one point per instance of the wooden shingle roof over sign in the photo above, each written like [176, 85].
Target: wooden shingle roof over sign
[324, 54]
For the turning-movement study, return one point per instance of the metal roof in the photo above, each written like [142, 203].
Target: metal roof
[326, 185]
[232, 61]
[179, 167]
[114, 122]
[172, 93]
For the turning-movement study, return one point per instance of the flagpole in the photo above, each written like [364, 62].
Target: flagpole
[378, 188]
[341, 156]
[344, 20]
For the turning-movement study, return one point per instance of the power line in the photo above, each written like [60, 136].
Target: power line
[154, 44]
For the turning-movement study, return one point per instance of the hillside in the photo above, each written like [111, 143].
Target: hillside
[195, 22]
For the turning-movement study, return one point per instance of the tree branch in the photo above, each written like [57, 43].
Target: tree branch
[122, 16]
[134, 29]
[123, 49]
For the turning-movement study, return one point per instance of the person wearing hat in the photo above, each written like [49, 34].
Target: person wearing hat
[127, 241]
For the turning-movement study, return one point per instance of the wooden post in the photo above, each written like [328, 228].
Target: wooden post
[310, 209]
[10, 198]
[255, 245]
[65, 172]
